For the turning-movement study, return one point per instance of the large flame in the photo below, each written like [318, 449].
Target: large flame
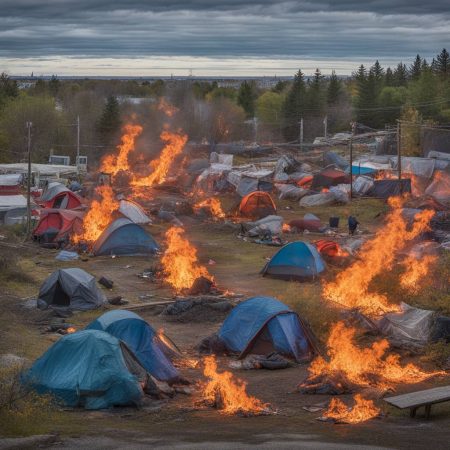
[115, 163]
[227, 393]
[351, 287]
[362, 410]
[214, 206]
[364, 367]
[174, 144]
[99, 215]
[415, 271]
[181, 267]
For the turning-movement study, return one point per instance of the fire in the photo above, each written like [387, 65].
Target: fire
[286, 228]
[364, 367]
[174, 144]
[181, 267]
[71, 330]
[168, 109]
[227, 393]
[214, 207]
[113, 164]
[99, 215]
[416, 270]
[351, 287]
[362, 410]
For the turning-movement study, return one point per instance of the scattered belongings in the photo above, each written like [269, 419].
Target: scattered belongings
[124, 237]
[72, 288]
[272, 361]
[65, 255]
[310, 222]
[261, 326]
[91, 369]
[153, 350]
[201, 286]
[268, 225]
[439, 189]
[390, 187]
[332, 158]
[291, 192]
[330, 177]
[362, 185]
[322, 199]
[330, 249]
[295, 261]
[106, 282]
[134, 212]
[57, 225]
[168, 216]
[117, 301]
[256, 205]
[415, 400]
[58, 196]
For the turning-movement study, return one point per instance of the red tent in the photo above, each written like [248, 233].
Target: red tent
[257, 204]
[329, 248]
[63, 200]
[330, 177]
[63, 220]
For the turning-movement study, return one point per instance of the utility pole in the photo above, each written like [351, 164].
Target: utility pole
[29, 125]
[351, 166]
[300, 138]
[78, 144]
[255, 128]
[399, 154]
[325, 126]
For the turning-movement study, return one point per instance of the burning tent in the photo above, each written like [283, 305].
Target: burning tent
[151, 349]
[330, 177]
[124, 237]
[59, 196]
[263, 325]
[90, 368]
[70, 288]
[256, 205]
[295, 261]
[385, 188]
[56, 225]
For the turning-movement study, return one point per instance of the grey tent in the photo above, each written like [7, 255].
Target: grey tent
[70, 288]
[53, 189]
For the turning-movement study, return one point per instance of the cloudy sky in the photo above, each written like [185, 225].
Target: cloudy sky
[215, 37]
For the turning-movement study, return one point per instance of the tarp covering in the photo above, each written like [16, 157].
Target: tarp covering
[410, 325]
[270, 320]
[388, 188]
[43, 169]
[289, 191]
[8, 202]
[336, 160]
[271, 224]
[439, 188]
[142, 340]
[362, 185]
[133, 212]
[421, 167]
[257, 204]
[361, 170]
[322, 199]
[70, 288]
[86, 368]
[330, 177]
[295, 261]
[123, 237]
[12, 179]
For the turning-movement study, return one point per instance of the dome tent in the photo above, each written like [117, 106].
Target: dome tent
[59, 196]
[65, 221]
[123, 237]
[70, 288]
[88, 368]
[257, 204]
[142, 339]
[262, 325]
[295, 261]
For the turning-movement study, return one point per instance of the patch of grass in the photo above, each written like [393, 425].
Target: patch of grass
[437, 353]
[10, 269]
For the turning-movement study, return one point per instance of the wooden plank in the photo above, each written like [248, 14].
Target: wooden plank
[419, 398]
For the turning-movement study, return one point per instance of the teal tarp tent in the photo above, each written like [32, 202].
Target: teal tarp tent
[89, 368]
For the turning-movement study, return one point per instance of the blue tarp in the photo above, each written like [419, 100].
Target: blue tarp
[142, 340]
[256, 315]
[358, 170]
[123, 237]
[296, 260]
[86, 368]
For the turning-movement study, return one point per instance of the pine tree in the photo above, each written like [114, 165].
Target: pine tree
[401, 75]
[54, 85]
[315, 95]
[246, 98]
[389, 78]
[109, 122]
[416, 68]
[334, 89]
[425, 65]
[294, 106]
[442, 65]
[378, 75]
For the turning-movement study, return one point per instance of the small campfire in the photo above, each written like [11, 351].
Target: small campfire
[229, 394]
[362, 410]
[349, 367]
[211, 204]
[180, 265]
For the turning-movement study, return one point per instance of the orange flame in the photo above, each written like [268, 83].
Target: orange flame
[214, 206]
[71, 330]
[351, 287]
[179, 261]
[174, 144]
[168, 109]
[113, 164]
[286, 228]
[362, 410]
[99, 215]
[416, 270]
[227, 393]
[368, 366]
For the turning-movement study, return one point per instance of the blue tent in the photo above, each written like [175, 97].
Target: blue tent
[295, 261]
[141, 338]
[262, 325]
[123, 237]
[88, 368]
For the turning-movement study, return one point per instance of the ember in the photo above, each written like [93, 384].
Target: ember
[227, 393]
[71, 330]
[415, 271]
[99, 215]
[113, 164]
[181, 267]
[286, 228]
[214, 206]
[350, 366]
[168, 109]
[351, 287]
[362, 410]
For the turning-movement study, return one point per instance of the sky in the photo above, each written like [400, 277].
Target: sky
[216, 37]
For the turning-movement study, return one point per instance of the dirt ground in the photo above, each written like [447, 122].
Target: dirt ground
[180, 422]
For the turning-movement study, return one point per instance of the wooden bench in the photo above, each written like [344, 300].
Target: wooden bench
[417, 399]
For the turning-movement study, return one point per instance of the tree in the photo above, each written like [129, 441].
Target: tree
[280, 86]
[391, 100]
[442, 64]
[269, 108]
[8, 88]
[401, 75]
[334, 89]
[246, 98]
[294, 107]
[416, 68]
[316, 95]
[109, 122]
[424, 93]
[389, 78]
[53, 85]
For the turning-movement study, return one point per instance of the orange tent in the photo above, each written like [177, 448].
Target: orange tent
[257, 204]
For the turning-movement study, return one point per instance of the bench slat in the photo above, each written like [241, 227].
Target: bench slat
[419, 398]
